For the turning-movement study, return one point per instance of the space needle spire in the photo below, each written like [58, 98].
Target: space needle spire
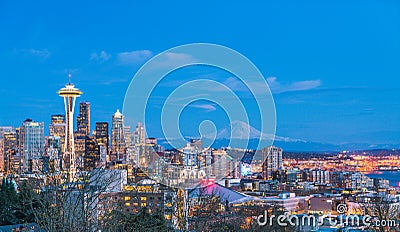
[69, 93]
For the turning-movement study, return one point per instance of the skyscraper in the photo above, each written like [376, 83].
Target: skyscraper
[128, 136]
[53, 151]
[83, 119]
[57, 119]
[57, 128]
[3, 157]
[139, 135]
[117, 133]
[83, 130]
[272, 157]
[92, 153]
[31, 144]
[102, 137]
[9, 148]
[79, 145]
[223, 165]
[69, 93]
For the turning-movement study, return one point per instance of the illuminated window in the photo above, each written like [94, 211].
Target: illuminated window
[127, 198]
[143, 204]
[127, 204]
[143, 198]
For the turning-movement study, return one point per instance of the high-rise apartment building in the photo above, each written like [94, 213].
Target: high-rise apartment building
[190, 153]
[31, 146]
[221, 164]
[272, 157]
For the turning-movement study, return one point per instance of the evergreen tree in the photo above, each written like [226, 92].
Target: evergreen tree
[8, 203]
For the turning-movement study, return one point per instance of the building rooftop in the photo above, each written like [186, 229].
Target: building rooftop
[216, 189]
[118, 114]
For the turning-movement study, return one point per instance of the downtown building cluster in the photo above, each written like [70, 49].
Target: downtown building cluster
[110, 157]
[26, 149]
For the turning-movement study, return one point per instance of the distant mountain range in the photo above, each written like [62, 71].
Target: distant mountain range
[241, 131]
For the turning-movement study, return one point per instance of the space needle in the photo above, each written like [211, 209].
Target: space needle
[69, 93]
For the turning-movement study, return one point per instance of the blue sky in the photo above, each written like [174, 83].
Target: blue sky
[333, 66]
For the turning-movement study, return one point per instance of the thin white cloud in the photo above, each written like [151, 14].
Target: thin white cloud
[134, 57]
[101, 56]
[277, 87]
[233, 83]
[167, 60]
[171, 59]
[40, 53]
[195, 96]
[207, 107]
[259, 87]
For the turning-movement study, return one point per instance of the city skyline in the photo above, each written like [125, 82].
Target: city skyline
[200, 116]
[321, 95]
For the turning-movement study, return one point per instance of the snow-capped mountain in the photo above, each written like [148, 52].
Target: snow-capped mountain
[242, 130]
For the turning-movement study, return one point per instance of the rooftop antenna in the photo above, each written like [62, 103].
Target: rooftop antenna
[69, 78]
